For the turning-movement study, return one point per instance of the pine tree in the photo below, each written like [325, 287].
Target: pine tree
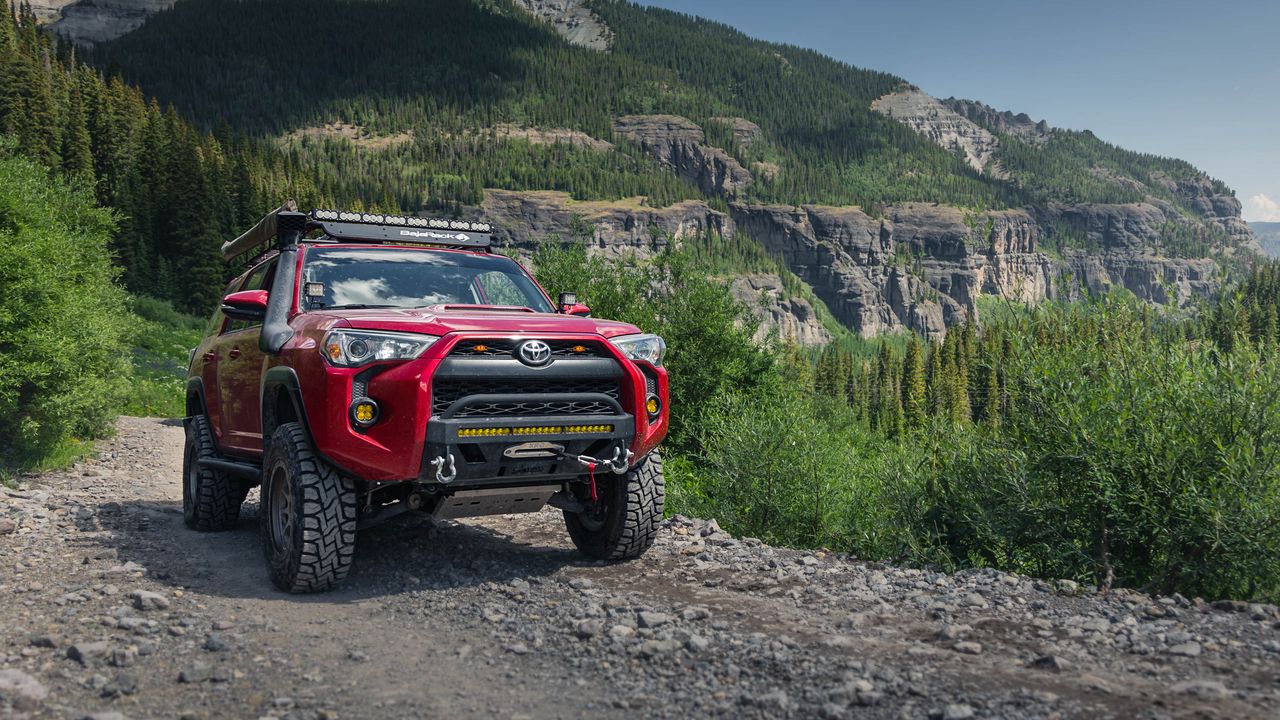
[914, 397]
[935, 382]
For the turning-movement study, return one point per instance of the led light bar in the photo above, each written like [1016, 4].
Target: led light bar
[400, 220]
[536, 430]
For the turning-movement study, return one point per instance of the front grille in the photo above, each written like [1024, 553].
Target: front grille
[505, 348]
[536, 408]
[447, 391]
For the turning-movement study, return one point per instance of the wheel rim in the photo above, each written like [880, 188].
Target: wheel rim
[281, 510]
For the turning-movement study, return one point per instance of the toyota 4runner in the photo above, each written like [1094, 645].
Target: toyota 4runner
[367, 365]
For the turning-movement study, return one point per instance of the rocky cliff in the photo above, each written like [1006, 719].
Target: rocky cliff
[91, 21]
[680, 145]
[575, 22]
[930, 118]
[919, 266]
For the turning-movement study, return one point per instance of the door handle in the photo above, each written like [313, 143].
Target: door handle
[210, 356]
[235, 353]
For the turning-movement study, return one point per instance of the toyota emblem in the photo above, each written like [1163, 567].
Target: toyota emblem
[534, 353]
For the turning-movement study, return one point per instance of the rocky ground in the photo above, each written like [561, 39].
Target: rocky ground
[110, 607]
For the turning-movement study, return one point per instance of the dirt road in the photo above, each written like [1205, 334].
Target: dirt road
[108, 604]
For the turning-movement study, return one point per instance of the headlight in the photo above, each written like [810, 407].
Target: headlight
[353, 348]
[649, 348]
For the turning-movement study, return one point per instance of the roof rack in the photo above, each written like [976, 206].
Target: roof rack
[362, 227]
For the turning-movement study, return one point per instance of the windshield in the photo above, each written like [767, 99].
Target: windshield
[411, 278]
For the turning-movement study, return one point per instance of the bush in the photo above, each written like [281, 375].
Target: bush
[63, 323]
[162, 339]
[708, 333]
[1130, 457]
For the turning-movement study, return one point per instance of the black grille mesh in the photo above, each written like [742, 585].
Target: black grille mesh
[536, 408]
[446, 392]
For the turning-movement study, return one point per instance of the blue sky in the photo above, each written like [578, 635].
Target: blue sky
[1195, 80]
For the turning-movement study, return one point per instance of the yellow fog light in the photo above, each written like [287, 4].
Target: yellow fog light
[364, 412]
[653, 404]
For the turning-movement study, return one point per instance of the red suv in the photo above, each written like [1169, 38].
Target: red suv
[368, 365]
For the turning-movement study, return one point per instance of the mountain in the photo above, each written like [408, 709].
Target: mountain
[92, 21]
[1268, 234]
[633, 127]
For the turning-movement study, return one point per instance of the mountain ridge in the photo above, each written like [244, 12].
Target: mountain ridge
[745, 127]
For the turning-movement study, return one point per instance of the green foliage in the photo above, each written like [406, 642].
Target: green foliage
[1133, 456]
[708, 332]
[161, 339]
[63, 323]
[1098, 441]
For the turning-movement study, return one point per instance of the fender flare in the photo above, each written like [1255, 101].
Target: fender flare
[281, 379]
[195, 386]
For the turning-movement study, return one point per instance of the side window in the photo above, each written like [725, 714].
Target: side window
[259, 279]
[497, 288]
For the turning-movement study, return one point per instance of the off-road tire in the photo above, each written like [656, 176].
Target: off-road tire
[626, 519]
[211, 499]
[307, 525]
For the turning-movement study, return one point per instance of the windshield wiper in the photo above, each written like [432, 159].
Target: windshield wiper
[356, 306]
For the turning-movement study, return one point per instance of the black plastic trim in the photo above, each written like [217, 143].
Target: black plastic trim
[243, 469]
[275, 326]
[465, 402]
[197, 384]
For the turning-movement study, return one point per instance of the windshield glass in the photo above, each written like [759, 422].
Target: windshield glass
[410, 278]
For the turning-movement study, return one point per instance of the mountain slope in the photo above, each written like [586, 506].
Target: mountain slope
[674, 109]
[1268, 234]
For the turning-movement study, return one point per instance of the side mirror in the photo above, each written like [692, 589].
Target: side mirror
[245, 305]
[569, 305]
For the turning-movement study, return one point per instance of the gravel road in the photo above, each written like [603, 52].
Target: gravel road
[110, 607]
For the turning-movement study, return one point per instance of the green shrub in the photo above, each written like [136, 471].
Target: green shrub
[162, 339]
[1131, 456]
[708, 333]
[63, 323]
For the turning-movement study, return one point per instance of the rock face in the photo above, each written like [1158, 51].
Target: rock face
[680, 145]
[576, 23]
[791, 318]
[1020, 124]
[920, 266]
[522, 219]
[935, 121]
[91, 21]
[744, 131]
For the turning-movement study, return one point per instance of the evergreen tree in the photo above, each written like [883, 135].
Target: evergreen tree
[914, 395]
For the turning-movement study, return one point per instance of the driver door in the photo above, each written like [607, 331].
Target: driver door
[240, 375]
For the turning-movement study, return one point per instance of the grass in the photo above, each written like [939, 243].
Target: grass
[162, 342]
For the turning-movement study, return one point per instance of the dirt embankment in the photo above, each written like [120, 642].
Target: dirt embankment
[109, 605]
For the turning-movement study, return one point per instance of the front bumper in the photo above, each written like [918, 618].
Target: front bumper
[411, 431]
[494, 459]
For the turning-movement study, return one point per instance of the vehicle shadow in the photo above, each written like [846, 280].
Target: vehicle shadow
[406, 554]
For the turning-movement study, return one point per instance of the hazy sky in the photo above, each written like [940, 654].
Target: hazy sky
[1198, 80]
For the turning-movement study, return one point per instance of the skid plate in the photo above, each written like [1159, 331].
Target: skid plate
[494, 501]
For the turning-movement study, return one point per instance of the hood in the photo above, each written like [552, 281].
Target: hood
[435, 321]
